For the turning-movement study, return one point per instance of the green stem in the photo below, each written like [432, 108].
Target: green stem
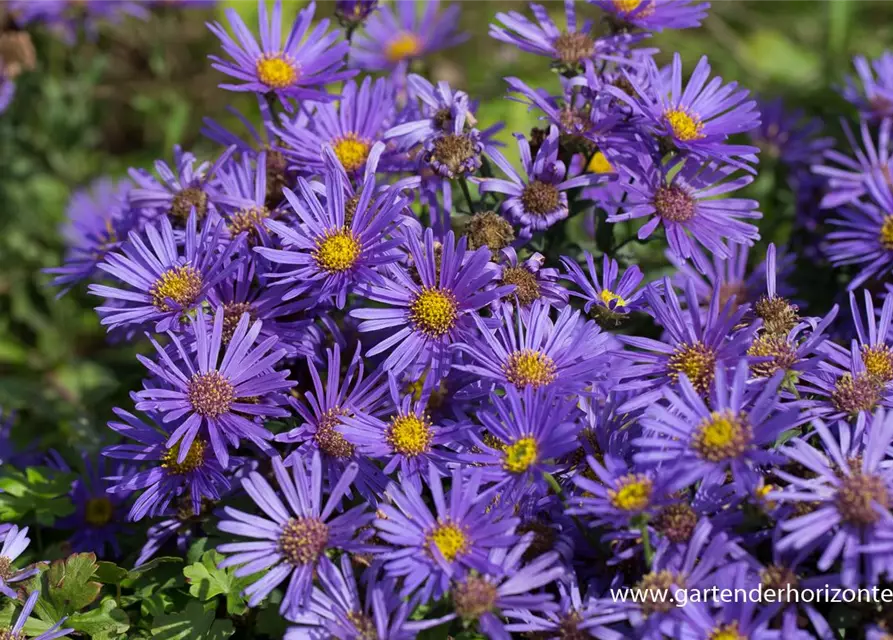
[556, 488]
[464, 183]
[646, 544]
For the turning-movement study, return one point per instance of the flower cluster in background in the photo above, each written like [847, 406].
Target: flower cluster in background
[402, 380]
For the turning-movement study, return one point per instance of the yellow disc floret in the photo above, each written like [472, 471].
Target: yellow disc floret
[410, 434]
[195, 457]
[631, 493]
[529, 368]
[450, 539]
[685, 126]
[351, 151]
[404, 45]
[277, 71]
[520, 455]
[599, 163]
[337, 251]
[434, 311]
[180, 285]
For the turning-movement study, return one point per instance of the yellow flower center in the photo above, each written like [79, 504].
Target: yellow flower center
[529, 368]
[886, 235]
[352, 151]
[449, 539]
[98, 511]
[434, 311]
[721, 436]
[248, 221]
[211, 394]
[627, 6]
[726, 632]
[632, 492]
[685, 127]
[410, 434]
[195, 458]
[696, 361]
[520, 455]
[277, 71]
[181, 285]
[878, 361]
[599, 163]
[609, 296]
[404, 45]
[337, 251]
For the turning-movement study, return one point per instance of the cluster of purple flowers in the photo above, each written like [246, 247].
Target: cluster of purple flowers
[365, 330]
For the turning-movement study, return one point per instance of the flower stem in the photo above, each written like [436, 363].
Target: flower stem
[464, 183]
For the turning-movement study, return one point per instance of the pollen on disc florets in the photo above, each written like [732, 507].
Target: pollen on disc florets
[632, 492]
[455, 154]
[185, 201]
[574, 47]
[98, 511]
[434, 311]
[489, 229]
[779, 578]
[232, 314]
[885, 236]
[677, 522]
[878, 361]
[674, 203]
[6, 568]
[350, 209]
[181, 285]
[540, 198]
[474, 597]
[778, 315]
[697, 361]
[528, 367]
[278, 71]
[519, 456]
[527, 289]
[364, 625]
[569, 627]
[854, 394]
[685, 126]
[410, 434]
[450, 539]
[722, 435]
[726, 632]
[248, 221]
[857, 496]
[211, 394]
[404, 45]
[653, 584]
[194, 459]
[783, 354]
[327, 437]
[337, 251]
[599, 163]
[352, 151]
[303, 540]
[9, 634]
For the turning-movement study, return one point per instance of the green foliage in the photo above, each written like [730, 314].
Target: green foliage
[207, 582]
[68, 586]
[37, 492]
[196, 622]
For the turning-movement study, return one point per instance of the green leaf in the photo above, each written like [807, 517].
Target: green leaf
[207, 581]
[67, 586]
[110, 573]
[195, 622]
[103, 623]
[38, 492]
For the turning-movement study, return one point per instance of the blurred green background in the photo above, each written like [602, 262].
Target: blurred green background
[97, 108]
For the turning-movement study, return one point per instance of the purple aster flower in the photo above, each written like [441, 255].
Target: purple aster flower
[567, 48]
[99, 216]
[430, 549]
[182, 189]
[338, 610]
[851, 178]
[693, 344]
[350, 129]
[526, 431]
[455, 151]
[531, 280]
[605, 297]
[848, 495]
[298, 68]
[875, 98]
[528, 349]
[538, 200]
[656, 15]
[197, 477]
[798, 350]
[323, 411]
[393, 38]
[864, 235]
[164, 282]
[352, 13]
[873, 338]
[697, 120]
[511, 584]
[222, 399]
[426, 318]
[96, 520]
[331, 254]
[67, 19]
[695, 442]
[291, 541]
[16, 631]
[14, 544]
[682, 195]
[788, 135]
[242, 197]
[441, 108]
[407, 440]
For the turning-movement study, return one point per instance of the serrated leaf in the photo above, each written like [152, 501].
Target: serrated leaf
[194, 622]
[207, 581]
[106, 622]
[67, 586]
